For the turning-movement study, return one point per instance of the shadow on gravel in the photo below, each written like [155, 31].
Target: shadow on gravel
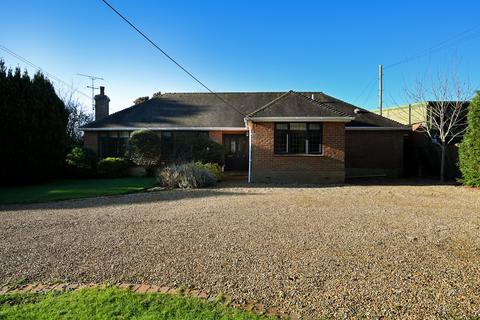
[126, 199]
[240, 183]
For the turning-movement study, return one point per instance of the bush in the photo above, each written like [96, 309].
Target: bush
[214, 168]
[144, 149]
[112, 167]
[469, 152]
[81, 162]
[187, 175]
[201, 149]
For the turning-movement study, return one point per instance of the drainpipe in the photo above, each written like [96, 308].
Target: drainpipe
[249, 150]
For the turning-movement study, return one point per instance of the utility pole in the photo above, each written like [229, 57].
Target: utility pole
[380, 88]
[93, 78]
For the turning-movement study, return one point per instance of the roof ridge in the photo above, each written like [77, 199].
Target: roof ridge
[270, 103]
[322, 104]
[302, 96]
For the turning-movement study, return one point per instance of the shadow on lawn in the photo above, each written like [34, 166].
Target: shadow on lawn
[125, 199]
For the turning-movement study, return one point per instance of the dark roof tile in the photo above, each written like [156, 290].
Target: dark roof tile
[171, 110]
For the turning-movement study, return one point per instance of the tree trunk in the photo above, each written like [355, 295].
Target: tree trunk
[442, 164]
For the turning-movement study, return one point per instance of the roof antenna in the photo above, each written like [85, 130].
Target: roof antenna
[93, 78]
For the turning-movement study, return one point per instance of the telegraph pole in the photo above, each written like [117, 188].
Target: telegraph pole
[380, 88]
[93, 78]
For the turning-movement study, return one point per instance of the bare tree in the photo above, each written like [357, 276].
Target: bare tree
[77, 115]
[444, 111]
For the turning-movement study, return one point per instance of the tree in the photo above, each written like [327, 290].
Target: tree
[144, 148]
[470, 146]
[140, 100]
[77, 117]
[33, 139]
[444, 112]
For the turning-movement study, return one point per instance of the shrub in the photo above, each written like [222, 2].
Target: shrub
[81, 162]
[214, 168]
[202, 149]
[112, 167]
[469, 153]
[186, 175]
[144, 149]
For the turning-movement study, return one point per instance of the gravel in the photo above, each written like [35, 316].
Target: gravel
[401, 251]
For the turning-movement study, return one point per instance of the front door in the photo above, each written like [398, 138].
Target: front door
[236, 152]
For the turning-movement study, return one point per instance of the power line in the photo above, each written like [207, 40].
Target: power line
[169, 57]
[367, 86]
[19, 57]
[454, 40]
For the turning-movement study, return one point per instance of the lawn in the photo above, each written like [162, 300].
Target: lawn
[114, 303]
[73, 189]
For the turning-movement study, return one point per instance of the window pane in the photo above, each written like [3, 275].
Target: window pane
[167, 145]
[296, 143]
[124, 134]
[315, 138]
[298, 126]
[166, 134]
[315, 142]
[281, 126]
[280, 141]
[122, 146]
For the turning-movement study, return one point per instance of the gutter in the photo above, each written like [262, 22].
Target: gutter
[299, 119]
[167, 129]
[377, 129]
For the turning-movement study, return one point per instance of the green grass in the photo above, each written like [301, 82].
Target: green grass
[114, 303]
[73, 189]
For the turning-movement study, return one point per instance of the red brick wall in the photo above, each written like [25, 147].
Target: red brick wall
[90, 140]
[216, 136]
[326, 168]
[374, 153]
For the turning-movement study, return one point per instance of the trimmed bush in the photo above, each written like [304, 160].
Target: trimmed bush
[81, 162]
[200, 149]
[144, 149]
[214, 168]
[186, 175]
[469, 152]
[112, 167]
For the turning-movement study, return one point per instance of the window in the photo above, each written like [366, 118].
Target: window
[298, 138]
[113, 143]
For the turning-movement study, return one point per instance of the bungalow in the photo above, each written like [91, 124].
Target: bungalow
[306, 137]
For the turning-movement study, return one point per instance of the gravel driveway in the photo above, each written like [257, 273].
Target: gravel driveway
[396, 251]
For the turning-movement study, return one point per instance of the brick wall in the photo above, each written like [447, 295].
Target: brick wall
[216, 136]
[90, 140]
[374, 153]
[326, 168]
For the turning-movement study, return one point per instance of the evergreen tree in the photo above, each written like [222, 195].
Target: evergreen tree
[33, 135]
[469, 152]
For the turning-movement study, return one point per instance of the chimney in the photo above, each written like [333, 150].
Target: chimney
[101, 105]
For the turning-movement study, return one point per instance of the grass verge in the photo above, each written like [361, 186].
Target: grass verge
[74, 189]
[115, 303]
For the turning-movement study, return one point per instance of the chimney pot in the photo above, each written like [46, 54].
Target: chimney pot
[102, 90]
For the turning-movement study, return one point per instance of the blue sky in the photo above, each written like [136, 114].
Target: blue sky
[329, 46]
